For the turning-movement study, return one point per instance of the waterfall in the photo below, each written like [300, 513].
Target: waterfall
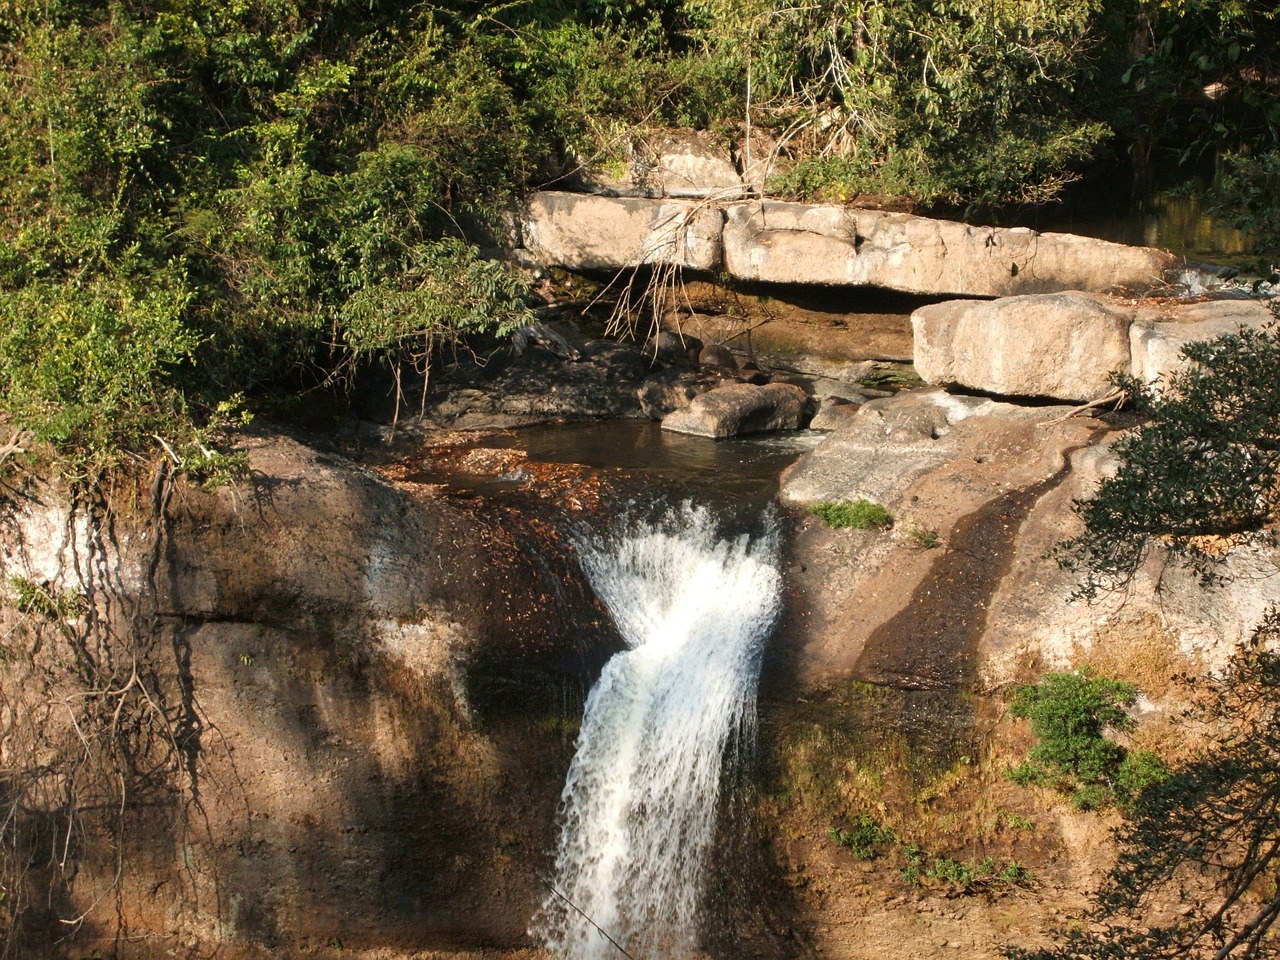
[666, 716]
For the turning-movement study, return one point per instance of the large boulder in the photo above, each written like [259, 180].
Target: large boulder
[584, 232]
[1159, 333]
[1062, 345]
[780, 242]
[740, 408]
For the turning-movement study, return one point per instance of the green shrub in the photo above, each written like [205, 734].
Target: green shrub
[859, 514]
[1203, 471]
[1070, 714]
[92, 369]
[1140, 771]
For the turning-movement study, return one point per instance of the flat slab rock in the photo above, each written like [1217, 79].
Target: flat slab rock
[740, 408]
[822, 244]
[587, 232]
[846, 246]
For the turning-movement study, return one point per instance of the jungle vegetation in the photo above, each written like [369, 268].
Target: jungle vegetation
[211, 205]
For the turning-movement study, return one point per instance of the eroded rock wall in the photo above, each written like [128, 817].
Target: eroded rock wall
[320, 709]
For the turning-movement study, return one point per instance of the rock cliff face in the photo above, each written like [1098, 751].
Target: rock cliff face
[299, 714]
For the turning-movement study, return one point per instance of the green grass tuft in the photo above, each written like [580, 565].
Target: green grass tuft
[859, 514]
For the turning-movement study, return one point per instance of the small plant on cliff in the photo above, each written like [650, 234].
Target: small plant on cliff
[864, 837]
[40, 599]
[859, 514]
[1070, 714]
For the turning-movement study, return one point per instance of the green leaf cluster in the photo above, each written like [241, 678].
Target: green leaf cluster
[864, 836]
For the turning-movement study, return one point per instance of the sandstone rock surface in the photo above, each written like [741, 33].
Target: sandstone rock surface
[780, 242]
[1062, 345]
[888, 444]
[1158, 334]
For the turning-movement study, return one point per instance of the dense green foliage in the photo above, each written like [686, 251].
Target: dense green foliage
[1203, 472]
[1207, 837]
[1070, 715]
[967, 101]
[204, 198]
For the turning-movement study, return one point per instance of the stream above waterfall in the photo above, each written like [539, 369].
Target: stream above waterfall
[743, 471]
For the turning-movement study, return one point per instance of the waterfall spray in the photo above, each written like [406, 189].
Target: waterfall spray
[639, 803]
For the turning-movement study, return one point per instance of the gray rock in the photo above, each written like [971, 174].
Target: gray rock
[741, 408]
[669, 390]
[829, 245]
[833, 413]
[689, 163]
[1062, 345]
[673, 163]
[560, 337]
[717, 355]
[1158, 334]
[583, 232]
[668, 347]
[889, 444]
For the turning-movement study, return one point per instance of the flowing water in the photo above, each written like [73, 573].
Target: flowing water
[667, 718]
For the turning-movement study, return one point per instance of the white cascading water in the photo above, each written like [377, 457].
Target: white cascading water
[639, 804]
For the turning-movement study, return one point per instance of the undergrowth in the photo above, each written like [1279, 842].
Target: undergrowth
[868, 839]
